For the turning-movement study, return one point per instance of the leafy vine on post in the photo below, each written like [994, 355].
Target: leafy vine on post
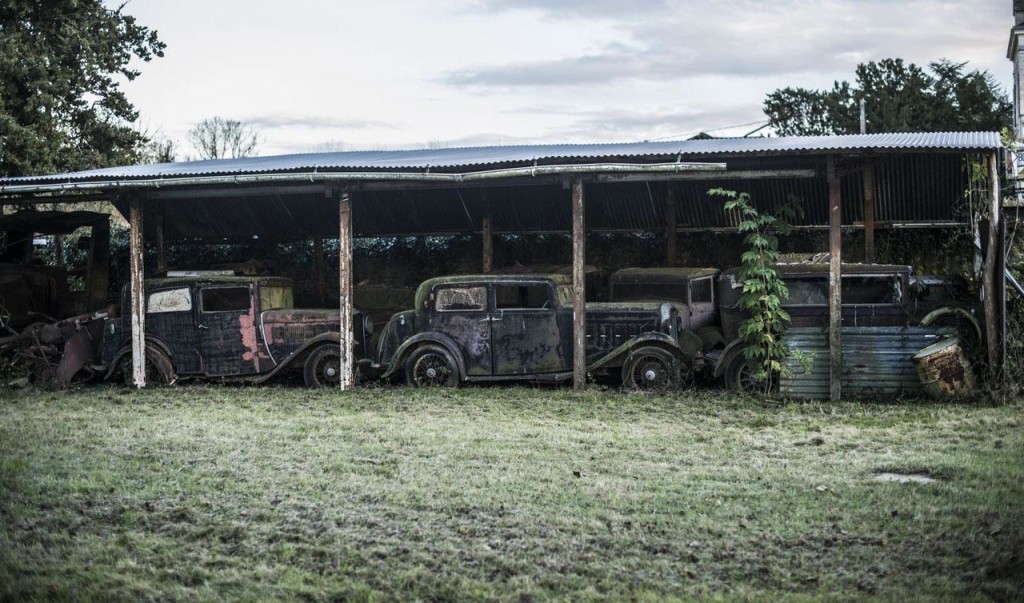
[763, 290]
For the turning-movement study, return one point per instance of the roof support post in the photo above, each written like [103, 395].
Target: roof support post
[488, 242]
[835, 291]
[991, 280]
[345, 364]
[318, 272]
[670, 225]
[579, 333]
[869, 213]
[138, 304]
[98, 278]
[161, 241]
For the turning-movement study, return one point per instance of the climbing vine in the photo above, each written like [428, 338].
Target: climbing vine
[763, 288]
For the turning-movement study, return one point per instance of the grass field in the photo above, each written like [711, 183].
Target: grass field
[204, 493]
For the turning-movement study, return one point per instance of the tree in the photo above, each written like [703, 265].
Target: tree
[899, 97]
[61, 106]
[219, 138]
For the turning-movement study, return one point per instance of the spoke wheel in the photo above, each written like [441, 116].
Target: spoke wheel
[431, 366]
[158, 369]
[741, 375]
[323, 367]
[651, 369]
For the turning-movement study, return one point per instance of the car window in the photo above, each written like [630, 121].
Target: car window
[809, 292]
[700, 290]
[173, 300]
[871, 290]
[534, 295]
[460, 299]
[276, 298]
[225, 299]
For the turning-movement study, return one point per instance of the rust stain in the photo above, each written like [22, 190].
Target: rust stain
[247, 324]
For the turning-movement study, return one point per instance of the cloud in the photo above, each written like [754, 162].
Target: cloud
[315, 122]
[673, 41]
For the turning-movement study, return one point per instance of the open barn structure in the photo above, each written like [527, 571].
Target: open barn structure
[855, 183]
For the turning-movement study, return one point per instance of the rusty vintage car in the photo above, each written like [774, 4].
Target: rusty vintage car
[873, 295]
[520, 327]
[692, 290]
[239, 328]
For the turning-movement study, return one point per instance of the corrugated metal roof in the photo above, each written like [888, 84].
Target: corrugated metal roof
[475, 158]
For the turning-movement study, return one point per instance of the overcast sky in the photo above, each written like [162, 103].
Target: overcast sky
[389, 74]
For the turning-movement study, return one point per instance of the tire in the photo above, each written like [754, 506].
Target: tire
[652, 369]
[323, 367]
[431, 366]
[741, 375]
[158, 367]
[967, 332]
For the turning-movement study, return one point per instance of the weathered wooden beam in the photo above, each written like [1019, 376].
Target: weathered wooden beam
[835, 290]
[488, 243]
[161, 238]
[670, 226]
[346, 364]
[869, 213]
[990, 278]
[579, 326]
[138, 305]
[319, 273]
[98, 277]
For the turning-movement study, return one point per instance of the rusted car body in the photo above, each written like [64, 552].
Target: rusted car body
[873, 295]
[228, 328]
[692, 290]
[515, 327]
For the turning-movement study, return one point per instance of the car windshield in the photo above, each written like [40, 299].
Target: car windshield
[661, 291]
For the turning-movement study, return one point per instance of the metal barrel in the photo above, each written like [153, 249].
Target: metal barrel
[944, 370]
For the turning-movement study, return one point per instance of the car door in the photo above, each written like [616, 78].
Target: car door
[171, 318]
[460, 311]
[524, 330]
[227, 330]
[703, 309]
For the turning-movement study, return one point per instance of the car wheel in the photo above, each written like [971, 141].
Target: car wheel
[323, 367]
[158, 369]
[431, 366]
[741, 375]
[652, 369]
[967, 332]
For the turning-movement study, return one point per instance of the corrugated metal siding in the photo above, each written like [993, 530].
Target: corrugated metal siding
[876, 361]
[484, 157]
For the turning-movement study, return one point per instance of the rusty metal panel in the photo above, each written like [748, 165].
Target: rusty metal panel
[876, 361]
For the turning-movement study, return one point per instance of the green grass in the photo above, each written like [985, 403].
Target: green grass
[205, 493]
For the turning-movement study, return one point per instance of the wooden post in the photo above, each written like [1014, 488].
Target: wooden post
[138, 305]
[319, 275]
[98, 278]
[488, 236]
[835, 290]
[58, 248]
[161, 242]
[346, 363]
[869, 214]
[670, 226]
[990, 278]
[579, 348]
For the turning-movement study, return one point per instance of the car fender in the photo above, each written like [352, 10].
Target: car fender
[614, 358]
[434, 337]
[731, 351]
[157, 344]
[935, 315]
[300, 354]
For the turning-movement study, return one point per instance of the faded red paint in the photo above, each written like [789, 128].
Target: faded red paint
[247, 324]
